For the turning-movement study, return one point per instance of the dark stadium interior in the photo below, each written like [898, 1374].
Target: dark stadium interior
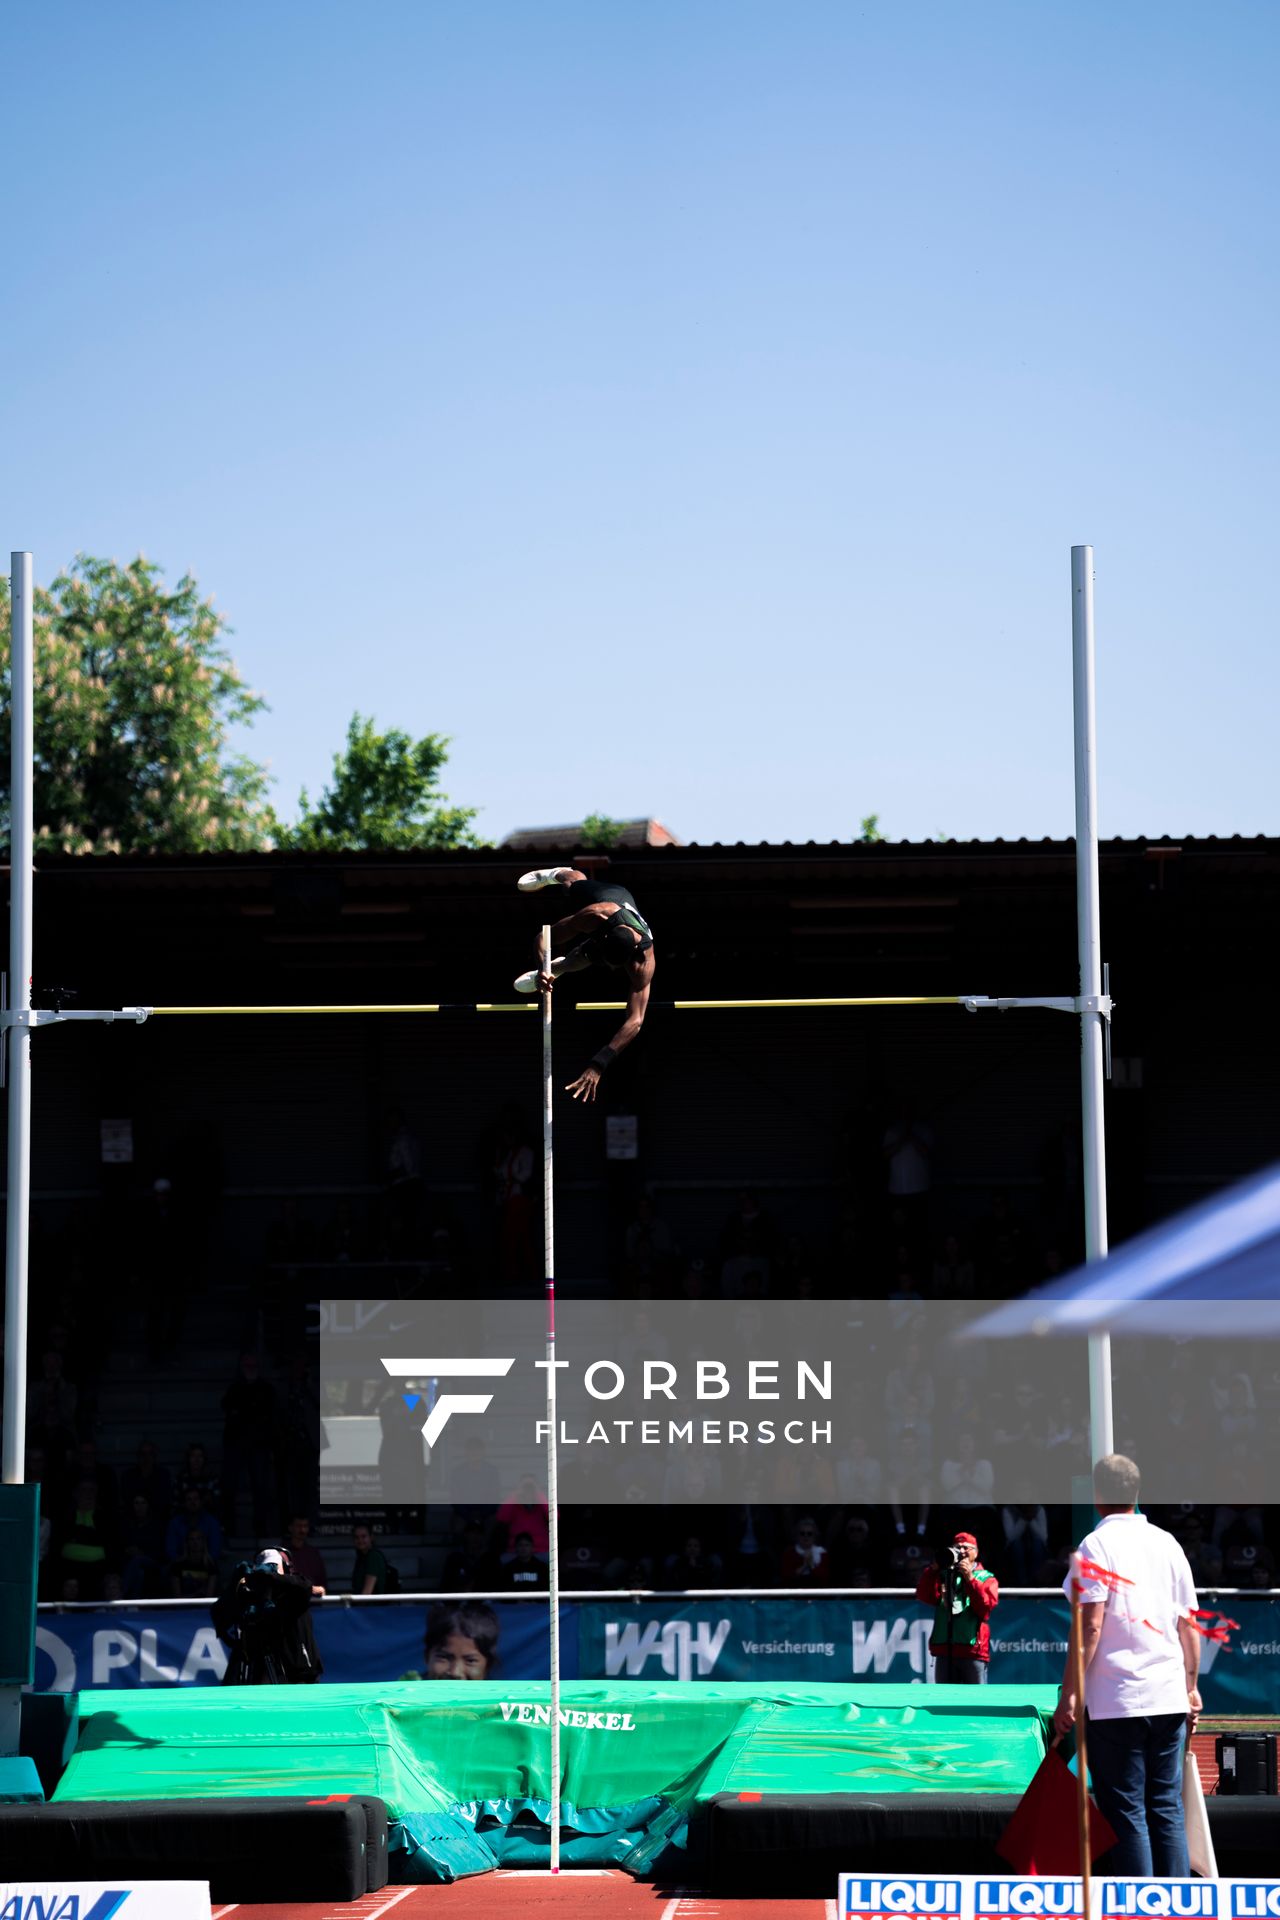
[275, 1162]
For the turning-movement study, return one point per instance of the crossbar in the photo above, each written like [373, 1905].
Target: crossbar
[583, 1006]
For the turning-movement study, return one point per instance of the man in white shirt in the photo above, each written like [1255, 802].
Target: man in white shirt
[1142, 1664]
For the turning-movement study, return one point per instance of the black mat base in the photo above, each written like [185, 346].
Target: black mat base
[260, 1849]
[799, 1844]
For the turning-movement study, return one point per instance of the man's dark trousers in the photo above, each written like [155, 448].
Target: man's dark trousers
[1136, 1769]
[964, 1671]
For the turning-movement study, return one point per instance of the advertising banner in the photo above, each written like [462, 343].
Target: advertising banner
[177, 1646]
[887, 1638]
[94, 1900]
[965, 1896]
[801, 1640]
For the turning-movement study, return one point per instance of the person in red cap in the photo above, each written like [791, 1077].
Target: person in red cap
[963, 1595]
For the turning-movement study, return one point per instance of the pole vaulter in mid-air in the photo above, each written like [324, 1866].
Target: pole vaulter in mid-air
[604, 928]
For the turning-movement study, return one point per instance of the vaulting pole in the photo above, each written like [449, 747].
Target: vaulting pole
[553, 1511]
[1088, 928]
[18, 1038]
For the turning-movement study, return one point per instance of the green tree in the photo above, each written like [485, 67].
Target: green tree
[871, 828]
[383, 793]
[600, 832]
[135, 694]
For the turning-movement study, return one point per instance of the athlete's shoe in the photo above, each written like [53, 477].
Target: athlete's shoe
[528, 982]
[541, 877]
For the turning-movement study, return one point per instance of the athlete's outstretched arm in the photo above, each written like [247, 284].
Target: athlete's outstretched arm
[587, 1084]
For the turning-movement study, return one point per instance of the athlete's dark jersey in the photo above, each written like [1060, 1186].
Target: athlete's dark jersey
[590, 893]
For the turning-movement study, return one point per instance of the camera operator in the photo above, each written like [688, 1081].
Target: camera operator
[963, 1595]
[264, 1618]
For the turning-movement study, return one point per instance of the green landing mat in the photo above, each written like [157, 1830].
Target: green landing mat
[464, 1767]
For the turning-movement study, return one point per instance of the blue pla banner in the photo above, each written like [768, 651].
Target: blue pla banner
[787, 1641]
[176, 1646]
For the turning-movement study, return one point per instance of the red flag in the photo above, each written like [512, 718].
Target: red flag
[1043, 1835]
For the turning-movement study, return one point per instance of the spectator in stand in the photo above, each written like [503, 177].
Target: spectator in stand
[1017, 1427]
[805, 1562]
[1248, 1564]
[747, 1245]
[85, 1465]
[509, 1176]
[197, 1472]
[344, 1240]
[1001, 1256]
[650, 1247]
[522, 1570]
[692, 1568]
[1026, 1543]
[752, 1539]
[1238, 1422]
[859, 1476]
[194, 1574]
[51, 1408]
[160, 1253]
[87, 1548]
[148, 1478]
[370, 1572]
[299, 1439]
[963, 1595]
[908, 1153]
[1065, 1436]
[906, 1305]
[909, 1398]
[192, 1514]
[908, 1485]
[306, 1561]
[474, 1483]
[1187, 1525]
[249, 1442]
[405, 1188]
[470, 1567]
[967, 1482]
[525, 1511]
[952, 1272]
[853, 1554]
[142, 1550]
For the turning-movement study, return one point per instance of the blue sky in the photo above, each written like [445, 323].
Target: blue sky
[687, 407]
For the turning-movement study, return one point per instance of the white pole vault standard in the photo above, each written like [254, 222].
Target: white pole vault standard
[17, 1040]
[553, 1509]
[1094, 1162]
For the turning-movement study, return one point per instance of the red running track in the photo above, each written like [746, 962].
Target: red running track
[575, 1896]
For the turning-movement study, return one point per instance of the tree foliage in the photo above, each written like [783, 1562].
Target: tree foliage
[135, 694]
[384, 793]
[871, 828]
[600, 832]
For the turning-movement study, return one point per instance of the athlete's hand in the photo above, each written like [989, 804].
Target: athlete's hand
[584, 1087]
[545, 982]
[1065, 1715]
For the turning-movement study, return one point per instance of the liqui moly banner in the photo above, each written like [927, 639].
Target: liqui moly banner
[965, 1896]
